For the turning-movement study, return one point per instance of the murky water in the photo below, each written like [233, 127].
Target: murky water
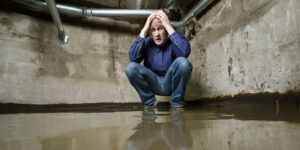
[211, 127]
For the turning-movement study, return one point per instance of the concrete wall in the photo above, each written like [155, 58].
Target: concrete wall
[34, 68]
[247, 46]
[243, 47]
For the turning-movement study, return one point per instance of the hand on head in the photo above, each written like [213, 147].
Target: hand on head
[165, 21]
[161, 16]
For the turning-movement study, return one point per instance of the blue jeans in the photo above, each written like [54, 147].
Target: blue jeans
[147, 83]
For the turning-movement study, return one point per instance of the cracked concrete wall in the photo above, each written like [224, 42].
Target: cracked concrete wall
[247, 47]
[243, 47]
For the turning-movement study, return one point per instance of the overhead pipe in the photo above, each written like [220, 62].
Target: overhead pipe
[89, 12]
[62, 36]
[199, 7]
[93, 12]
[141, 13]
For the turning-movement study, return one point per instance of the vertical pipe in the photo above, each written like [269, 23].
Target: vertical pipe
[62, 36]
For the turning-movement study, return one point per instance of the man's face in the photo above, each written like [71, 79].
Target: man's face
[158, 32]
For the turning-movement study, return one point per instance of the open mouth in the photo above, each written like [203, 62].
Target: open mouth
[158, 39]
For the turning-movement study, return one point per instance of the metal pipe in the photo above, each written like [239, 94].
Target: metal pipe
[141, 13]
[170, 2]
[199, 7]
[62, 36]
[88, 12]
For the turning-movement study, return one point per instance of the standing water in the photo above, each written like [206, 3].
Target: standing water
[214, 126]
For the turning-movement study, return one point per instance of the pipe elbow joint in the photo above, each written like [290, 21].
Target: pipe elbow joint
[63, 38]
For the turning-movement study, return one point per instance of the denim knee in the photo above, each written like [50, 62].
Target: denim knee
[131, 69]
[183, 64]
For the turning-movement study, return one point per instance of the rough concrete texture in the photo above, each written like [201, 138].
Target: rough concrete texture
[247, 47]
[34, 68]
[243, 47]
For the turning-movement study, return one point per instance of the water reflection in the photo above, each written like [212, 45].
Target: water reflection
[161, 130]
[225, 126]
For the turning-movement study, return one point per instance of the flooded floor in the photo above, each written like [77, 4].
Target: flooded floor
[214, 126]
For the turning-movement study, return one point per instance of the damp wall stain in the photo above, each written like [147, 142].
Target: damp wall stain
[251, 47]
[35, 68]
[6, 23]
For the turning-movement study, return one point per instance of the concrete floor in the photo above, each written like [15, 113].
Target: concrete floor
[218, 125]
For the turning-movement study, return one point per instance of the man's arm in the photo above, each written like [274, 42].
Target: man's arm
[165, 21]
[146, 27]
[182, 46]
[136, 50]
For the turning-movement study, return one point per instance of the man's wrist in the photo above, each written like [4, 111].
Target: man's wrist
[143, 33]
[169, 29]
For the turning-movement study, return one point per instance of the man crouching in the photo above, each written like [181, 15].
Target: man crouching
[166, 69]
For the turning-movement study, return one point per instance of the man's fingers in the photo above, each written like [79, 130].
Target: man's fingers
[161, 13]
[163, 19]
[158, 16]
[162, 16]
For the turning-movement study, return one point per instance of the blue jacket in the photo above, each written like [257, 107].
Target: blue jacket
[159, 58]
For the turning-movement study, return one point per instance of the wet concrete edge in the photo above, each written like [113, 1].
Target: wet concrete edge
[239, 102]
